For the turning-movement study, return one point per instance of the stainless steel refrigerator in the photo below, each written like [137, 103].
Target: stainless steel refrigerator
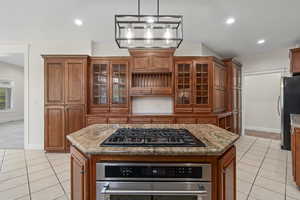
[288, 103]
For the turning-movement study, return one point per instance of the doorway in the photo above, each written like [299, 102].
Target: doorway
[12, 101]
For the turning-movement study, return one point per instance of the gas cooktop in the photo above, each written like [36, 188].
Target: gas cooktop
[152, 137]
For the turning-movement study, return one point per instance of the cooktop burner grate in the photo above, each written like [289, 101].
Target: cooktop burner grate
[152, 137]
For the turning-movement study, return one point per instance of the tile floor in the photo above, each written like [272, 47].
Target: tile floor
[12, 135]
[264, 173]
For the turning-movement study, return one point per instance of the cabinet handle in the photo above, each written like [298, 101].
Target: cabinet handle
[82, 172]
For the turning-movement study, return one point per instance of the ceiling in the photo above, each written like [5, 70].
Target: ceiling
[276, 21]
[13, 58]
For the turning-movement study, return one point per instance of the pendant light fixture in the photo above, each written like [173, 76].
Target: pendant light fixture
[148, 31]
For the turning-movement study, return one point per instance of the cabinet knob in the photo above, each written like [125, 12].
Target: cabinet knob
[82, 172]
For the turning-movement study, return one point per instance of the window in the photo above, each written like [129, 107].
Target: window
[5, 95]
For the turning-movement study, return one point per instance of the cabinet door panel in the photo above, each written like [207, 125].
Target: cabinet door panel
[99, 86]
[161, 63]
[54, 128]
[75, 81]
[54, 81]
[183, 86]
[295, 61]
[201, 84]
[141, 63]
[228, 175]
[219, 87]
[74, 120]
[119, 84]
[79, 176]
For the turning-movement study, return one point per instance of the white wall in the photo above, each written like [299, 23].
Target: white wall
[13, 73]
[261, 88]
[152, 105]
[268, 61]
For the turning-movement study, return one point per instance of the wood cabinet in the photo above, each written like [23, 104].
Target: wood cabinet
[200, 85]
[295, 146]
[108, 91]
[228, 175]
[75, 120]
[65, 80]
[79, 176]
[65, 99]
[151, 73]
[295, 60]
[183, 86]
[152, 60]
[54, 128]
[234, 93]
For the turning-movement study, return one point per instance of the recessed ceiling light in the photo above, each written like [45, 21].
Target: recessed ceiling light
[230, 20]
[262, 41]
[78, 22]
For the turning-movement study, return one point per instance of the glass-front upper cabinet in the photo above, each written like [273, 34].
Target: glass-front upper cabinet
[201, 84]
[100, 83]
[183, 86]
[119, 78]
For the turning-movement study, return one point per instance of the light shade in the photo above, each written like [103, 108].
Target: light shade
[148, 31]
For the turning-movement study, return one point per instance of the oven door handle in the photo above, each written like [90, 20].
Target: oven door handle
[106, 190]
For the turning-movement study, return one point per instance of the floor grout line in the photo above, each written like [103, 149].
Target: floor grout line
[27, 172]
[247, 150]
[4, 153]
[65, 192]
[268, 148]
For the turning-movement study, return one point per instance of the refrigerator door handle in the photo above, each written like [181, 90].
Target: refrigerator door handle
[278, 105]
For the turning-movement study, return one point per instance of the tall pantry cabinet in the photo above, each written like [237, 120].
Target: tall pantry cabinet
[65, 99]
[234, 98]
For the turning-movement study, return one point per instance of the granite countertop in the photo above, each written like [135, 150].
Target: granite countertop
[88, 140]
[295, 120]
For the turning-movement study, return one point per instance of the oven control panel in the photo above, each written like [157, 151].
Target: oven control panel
[128, 171]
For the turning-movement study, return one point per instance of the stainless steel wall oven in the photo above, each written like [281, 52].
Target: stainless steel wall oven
[153, 181]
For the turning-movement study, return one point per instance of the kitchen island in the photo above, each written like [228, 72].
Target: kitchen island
[295, 147]
[216, 163]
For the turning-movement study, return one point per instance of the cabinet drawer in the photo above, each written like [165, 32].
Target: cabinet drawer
[100, 110]
[186, 120]
[201, 110]
[161, 91]
[140, 120]
[140, 91]
[117, 120]
[207, 121]
[119, 110]
[184, 110]
[96, 120]
[163, 120]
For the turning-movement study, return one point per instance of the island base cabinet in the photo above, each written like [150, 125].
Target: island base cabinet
[79, 176]
[295, 144]
[227, 167]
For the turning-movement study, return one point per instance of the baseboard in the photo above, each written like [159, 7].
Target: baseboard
[34, 147]
[264, 129]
